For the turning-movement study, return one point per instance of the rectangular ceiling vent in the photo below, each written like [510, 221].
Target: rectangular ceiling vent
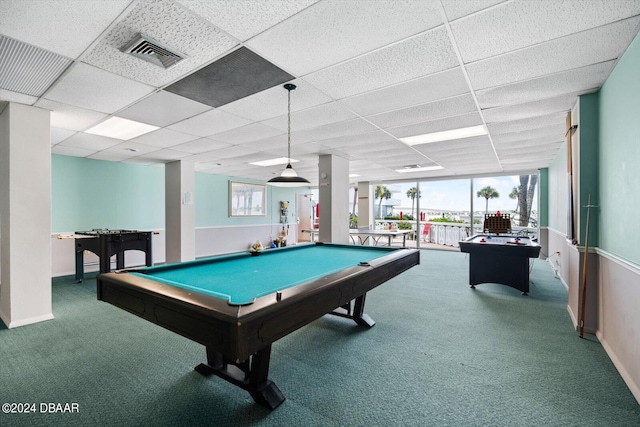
[150, 50]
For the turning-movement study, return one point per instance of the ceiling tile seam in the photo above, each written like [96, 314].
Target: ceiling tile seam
[478, 12]
[399, 84]
[423, 104]
[555, 73]
[394, 137]
[508, 106]
[618, 55]
[636, 30]
[89, 48]
[454, 44]
[377, 49]
[359, 116]
[283, 21]
[160, 88]
[207, 22]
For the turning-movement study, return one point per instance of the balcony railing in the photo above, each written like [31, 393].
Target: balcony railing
[445, 233]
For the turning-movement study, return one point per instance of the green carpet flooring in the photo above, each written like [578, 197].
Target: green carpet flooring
[441, 354]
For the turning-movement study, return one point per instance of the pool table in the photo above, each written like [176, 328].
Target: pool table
[500, 259]
[237, 305]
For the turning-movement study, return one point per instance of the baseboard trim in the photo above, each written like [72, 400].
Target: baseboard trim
[628, 379]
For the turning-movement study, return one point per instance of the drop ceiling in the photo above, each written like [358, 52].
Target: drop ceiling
[367, 73]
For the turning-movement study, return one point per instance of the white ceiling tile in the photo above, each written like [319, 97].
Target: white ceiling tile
[231, 152]
[20, 98]
[278, 142]
[58, 135]
[308, 148]
[289, 43]
[543, 132]
[209, 123]
[71, 151]
[419, 91]
[130, 149]
[455, 9]
[88, 141]
[112, 156]
[532, 142]
[408, 79]
[542, 107]
[450, 107]
[358, 142]
[244, 134]
[582, 80]
[419, 56]
[529, 151]
[169, 24]
[273, 102]
[164, 138]
[245, 19]
[69, 117]
[75, 23]
[578, 50]
[447, 123]
[95, 89]
[340, 129]
[518, 24]
[312, 117]
[163, 109]
[141, 160]
[528, 123]
[166, 154]
[201, 145]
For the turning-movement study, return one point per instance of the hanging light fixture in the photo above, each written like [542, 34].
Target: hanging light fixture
[289, 177]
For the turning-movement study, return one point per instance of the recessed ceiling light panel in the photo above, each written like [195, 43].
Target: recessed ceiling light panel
[445, 135]
[419, 169]
[119, 128]
[274, 162]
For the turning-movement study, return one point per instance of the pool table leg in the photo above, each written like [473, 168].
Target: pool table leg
[357, 314]
[251, 375]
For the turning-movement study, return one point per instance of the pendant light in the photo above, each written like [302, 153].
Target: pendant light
[288, 177]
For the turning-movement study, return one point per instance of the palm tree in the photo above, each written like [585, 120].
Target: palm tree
[412, 193]
[488, 192]
[514, 195]
[382, 192]
[525, 197]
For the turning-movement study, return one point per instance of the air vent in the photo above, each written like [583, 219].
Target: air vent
[150, 50]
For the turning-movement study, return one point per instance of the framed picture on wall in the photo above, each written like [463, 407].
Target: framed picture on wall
[247, 199]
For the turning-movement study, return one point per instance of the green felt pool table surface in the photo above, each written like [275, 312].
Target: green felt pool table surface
[241, 278]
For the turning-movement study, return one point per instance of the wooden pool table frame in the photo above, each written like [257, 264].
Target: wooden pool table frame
[238, 338]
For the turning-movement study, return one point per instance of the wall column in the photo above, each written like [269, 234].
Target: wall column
[365, 205]
[180, 213]
[334, 199]
[25, 215]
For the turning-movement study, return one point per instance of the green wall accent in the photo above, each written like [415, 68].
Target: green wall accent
[89, 193]
[212, 202]
[589, 142]
[619, 155]
[543, 215]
